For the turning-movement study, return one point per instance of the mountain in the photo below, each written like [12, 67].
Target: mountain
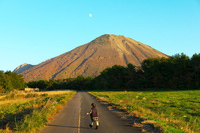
[91, 58]
[22, 68]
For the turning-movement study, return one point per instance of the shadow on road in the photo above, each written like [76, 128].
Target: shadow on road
[67, 126]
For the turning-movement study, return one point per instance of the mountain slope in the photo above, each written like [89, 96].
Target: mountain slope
[90, 59]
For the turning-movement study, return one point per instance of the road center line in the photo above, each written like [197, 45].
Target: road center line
[79, 116]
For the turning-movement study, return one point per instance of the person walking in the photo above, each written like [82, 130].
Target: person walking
[93, 115]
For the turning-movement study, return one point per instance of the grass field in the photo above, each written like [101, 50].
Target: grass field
[28, 112]
[172, 111]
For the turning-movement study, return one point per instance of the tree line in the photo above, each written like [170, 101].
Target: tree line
[178, 72]
[10, 81]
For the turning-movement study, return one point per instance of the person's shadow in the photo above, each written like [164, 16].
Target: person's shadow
[51, 125]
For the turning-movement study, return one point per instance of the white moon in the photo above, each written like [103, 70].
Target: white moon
[90, 15]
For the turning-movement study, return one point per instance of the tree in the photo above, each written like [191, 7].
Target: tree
[5, 82]
[16, 79]
[195, 71]
[133, 78]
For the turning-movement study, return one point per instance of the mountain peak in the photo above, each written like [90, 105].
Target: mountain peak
[22, 68]
[107, 39]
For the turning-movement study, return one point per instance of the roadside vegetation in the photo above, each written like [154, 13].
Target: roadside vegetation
[28, 112]
[172, 111]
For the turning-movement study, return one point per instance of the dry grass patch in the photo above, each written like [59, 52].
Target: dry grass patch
[44, 92]
[28, 112]
[52, 92]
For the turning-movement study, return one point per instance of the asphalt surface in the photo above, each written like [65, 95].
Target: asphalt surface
[73, 118]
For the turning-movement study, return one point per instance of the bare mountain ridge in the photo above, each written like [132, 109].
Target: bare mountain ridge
[92, 58]
[22, 68]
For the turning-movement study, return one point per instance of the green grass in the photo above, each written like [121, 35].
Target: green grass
[173, 111]
[32, 111]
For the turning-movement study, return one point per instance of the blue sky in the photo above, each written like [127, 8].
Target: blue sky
[32, 31]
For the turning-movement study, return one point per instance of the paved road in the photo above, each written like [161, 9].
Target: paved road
[73, 118]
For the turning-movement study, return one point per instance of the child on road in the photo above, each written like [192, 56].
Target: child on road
[93, 115]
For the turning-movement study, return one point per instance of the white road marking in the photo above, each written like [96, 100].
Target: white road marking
[79, 116]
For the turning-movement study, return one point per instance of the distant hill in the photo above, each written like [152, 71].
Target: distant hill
[91, 58]
[22, 68]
